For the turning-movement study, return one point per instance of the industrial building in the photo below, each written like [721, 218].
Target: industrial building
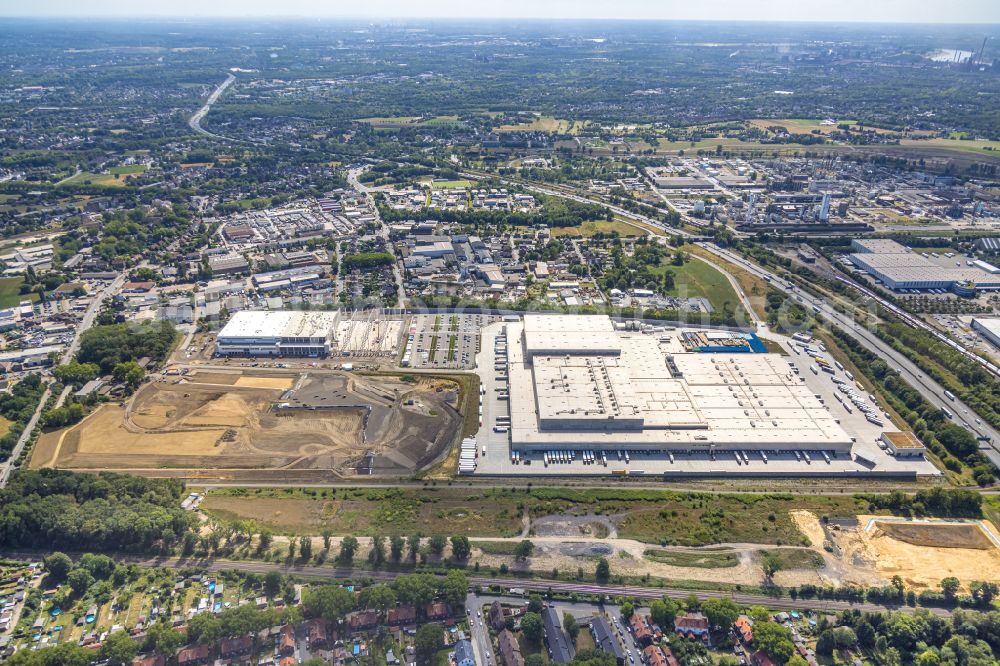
[310, 334]
[265, 333]
[901, 269]
[903, 444]
[577, 382]
[989, 328]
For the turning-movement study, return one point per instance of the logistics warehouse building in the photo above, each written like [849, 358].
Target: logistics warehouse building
[898, 268]
[578, 383]
[286, 333]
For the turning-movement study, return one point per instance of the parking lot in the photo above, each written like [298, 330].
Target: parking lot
[445, 340]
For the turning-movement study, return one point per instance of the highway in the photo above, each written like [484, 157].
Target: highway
[532, 584]
[195, 121]
[931, 390]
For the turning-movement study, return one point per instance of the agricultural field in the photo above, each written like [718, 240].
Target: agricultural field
[982, 147]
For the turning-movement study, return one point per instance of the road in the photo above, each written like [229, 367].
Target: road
[86, 322]
[195, 121]
[88, 317]
[931, 390]
[355, 182]
[482, 646]
[535, 584]
[8, 466]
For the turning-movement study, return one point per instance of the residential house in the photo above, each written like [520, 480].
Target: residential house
[760, 658]
[436, 611]
[640, 629]
[496, 617]
[319, 634]
[463, 653]
[744, 629]
[510, 649]
[150, 660]
[192, 655]
[401, 615]
[654, 656]
[286, 640]
[693, 626]
[236, 648]
[604, 639]
[561, 650]
[362, 621]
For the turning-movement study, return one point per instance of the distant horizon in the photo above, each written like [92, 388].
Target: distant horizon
[481, 19]
[891, 12]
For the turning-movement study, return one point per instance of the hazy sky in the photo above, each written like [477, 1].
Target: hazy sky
[929, 11]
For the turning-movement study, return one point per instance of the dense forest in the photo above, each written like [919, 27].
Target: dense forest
[52, 509]
[111, 345]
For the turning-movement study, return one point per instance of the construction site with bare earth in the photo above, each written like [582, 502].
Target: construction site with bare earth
[274, 425]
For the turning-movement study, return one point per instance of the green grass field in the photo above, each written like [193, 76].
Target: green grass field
[130, 170]
[652, 516]
[980, 147]
[591, 227]
[704, 559]
[451, 184]
[698, 279]
[10, 294]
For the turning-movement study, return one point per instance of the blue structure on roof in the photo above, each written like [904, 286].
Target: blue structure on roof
[746, 343]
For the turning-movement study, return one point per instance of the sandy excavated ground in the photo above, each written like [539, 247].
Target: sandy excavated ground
[926, 565]
[229, 421]
[860, 557]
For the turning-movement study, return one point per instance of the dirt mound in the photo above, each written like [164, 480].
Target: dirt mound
[333, 421]
[937, 535]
